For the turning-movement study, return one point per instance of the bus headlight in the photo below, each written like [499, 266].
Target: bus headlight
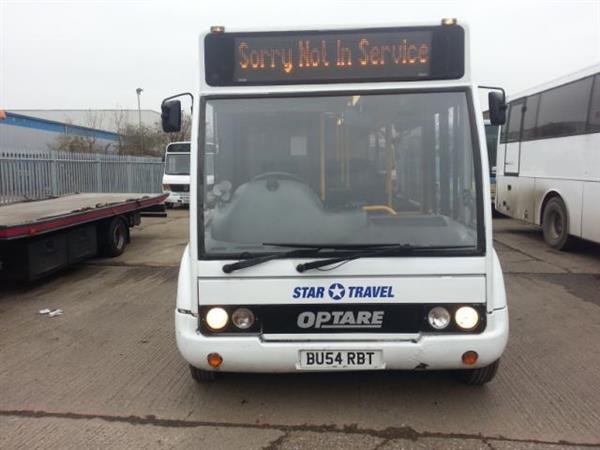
[439, 318]
[243, 318]
[466, 317]
[217, 318]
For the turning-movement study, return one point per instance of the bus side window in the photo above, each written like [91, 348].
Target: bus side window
[594, 116]
[530, 119]
[514, 121]
[504, 128]
[563, 110]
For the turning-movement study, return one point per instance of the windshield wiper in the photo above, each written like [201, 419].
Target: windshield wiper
[332, 246]
[398, 249]
[300, 249]
[360, 251]
[255, 260]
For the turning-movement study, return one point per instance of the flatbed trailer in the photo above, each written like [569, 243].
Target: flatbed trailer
[40, 237]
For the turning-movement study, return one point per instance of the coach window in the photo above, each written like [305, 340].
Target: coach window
[503, 134]
[529, 120]
[514, 121]
[594, 120]
[504, 128]
[563, 110]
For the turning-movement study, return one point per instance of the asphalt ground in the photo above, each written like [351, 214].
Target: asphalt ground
[107, 374]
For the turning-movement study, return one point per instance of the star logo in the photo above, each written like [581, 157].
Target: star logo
[336, 291]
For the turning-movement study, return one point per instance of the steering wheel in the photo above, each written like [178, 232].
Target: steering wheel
[278, 175]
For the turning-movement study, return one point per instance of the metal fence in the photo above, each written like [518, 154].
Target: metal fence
[33, 175]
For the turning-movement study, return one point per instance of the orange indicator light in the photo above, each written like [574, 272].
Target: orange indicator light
[470, 357]
[449, 21]
[214, 360]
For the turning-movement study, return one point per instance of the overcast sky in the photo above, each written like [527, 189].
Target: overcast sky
[94, 54]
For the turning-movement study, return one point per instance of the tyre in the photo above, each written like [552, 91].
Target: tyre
[555, 224]
[482, 375]
[113, 237]
[202, 376]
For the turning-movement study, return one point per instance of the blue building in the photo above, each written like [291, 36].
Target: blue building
[23, 132]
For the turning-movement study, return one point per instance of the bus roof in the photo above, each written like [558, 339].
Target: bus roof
[585, 72]
[336, 27]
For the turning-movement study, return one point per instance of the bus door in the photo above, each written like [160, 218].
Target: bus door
[506, 196]
[512, 149]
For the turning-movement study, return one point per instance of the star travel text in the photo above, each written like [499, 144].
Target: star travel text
[349, 292]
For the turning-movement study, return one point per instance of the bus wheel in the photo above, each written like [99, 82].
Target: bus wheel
[202, 376]
[555, 224]
[113, 237]
[482, 375]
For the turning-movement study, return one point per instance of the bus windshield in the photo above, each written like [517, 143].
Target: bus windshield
[394, 168]
[177, 164]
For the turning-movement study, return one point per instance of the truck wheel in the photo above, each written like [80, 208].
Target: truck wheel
[555, 224]
[114, 237]
[482, 375]
[202, 376]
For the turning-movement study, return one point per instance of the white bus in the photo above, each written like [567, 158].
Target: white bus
[349, 226]
[176, 179]
[548, 167]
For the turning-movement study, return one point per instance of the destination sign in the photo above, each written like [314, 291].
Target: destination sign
[313, 57]
[339, 56]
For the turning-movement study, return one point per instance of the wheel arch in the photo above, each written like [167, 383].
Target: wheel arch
[549, 195]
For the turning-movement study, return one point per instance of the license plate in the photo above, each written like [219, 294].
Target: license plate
[341, 359]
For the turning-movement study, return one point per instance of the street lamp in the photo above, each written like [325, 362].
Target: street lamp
[139, 91]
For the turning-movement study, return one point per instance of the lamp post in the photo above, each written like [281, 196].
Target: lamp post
[139, 91]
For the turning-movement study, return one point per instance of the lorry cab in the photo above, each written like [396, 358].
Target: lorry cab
[176, 178]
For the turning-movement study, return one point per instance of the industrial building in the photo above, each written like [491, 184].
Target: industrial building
[102, 119]
[38, 130]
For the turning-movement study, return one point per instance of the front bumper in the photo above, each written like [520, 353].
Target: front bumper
[254, 354]
[178, 198]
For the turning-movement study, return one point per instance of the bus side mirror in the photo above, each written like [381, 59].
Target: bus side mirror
[171, 116]
[497, 106]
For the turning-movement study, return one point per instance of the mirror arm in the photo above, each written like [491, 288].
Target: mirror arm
[495, 88]
[180, 95]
